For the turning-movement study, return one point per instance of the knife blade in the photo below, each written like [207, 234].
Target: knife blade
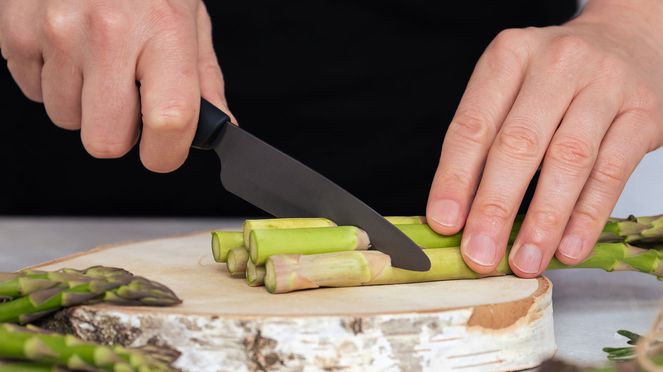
[284, 187]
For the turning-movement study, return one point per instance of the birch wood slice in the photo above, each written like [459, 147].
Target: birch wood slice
[493, 324]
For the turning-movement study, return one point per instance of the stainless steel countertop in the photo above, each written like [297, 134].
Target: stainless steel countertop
[589, 305]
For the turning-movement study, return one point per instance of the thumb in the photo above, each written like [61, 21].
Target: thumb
[212, 87]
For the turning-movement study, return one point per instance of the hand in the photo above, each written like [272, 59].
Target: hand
[84, 58]
[583, 101]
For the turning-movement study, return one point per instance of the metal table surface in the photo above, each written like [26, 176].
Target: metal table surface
[589, 305]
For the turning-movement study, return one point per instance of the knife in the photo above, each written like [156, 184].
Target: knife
[282, 186]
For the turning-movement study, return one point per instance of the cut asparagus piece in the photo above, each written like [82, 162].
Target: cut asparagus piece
[287, 273]
[32, 344]
[223, 242]
[237, 260]
[265, 243]
[48, 292]
[282, 223]
[255, 275]
[406, 220]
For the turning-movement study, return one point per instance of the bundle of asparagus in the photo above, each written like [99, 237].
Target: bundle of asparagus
[29, 295]
[33, 349]
[310, 253]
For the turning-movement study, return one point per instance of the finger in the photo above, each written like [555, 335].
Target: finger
[619, 154]
[566, 167]
[62, 76]
[109, 103]
[170, 96]
[515, 156]
[212, 86]
[489, 95]
[27, 75]
[21, 46]
[61, 86]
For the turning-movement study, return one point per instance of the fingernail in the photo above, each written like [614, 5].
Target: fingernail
[528, 259]
[481, 249]
[445, 212]
[571, 246]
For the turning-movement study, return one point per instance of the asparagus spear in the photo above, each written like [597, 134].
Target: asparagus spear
[282, 223]
[641, 230]
[406, 220]
[646, 231]
[36, 345]
[264, 243]
[223, 242]
[287, 273]
[34, 294]
[237, 259]
[255, 275]
[14, 366]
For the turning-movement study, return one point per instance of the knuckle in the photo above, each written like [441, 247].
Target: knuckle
[456, 180]
[510, 39]
[565, 50]
[58, 26]
[611, 171]
[518, 142]
[107, 24]
[166, 14]
[175, 118]
[495, 209]
[472, 126]
[508, 51]
[26, 81]
[21, 44]
[545, 222]
[571, 153]
[587, 215]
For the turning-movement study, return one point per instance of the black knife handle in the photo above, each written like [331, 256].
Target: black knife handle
[210, 123]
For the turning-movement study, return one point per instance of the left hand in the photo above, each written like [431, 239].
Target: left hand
[583, 101]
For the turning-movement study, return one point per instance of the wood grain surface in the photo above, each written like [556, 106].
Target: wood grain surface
[502, 323]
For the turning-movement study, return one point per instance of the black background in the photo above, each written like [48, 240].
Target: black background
[362, 91]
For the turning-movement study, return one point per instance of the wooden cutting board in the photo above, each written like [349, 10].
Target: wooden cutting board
[493, 324]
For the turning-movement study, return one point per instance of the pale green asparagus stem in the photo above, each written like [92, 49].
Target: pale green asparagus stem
[406, 220]
[265, 243]
[223, 242]
[282, 223]
[287, 273]
[255, 275]
[237, 259]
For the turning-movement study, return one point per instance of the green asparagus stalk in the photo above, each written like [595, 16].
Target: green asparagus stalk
[646, 231]
[22, 366]
[223, 242]
[36, 345]
[33, 294]
[287, 273]
[406, 220]
[255, 275]
[282, 223]
[265, 243]
[237, 259]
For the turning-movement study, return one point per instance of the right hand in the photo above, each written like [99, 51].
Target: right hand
[83, 60]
